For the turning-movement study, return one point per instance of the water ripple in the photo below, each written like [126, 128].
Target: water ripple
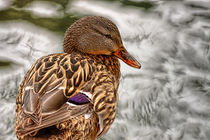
[168, 99]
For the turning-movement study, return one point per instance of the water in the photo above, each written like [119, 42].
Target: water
[168, 99]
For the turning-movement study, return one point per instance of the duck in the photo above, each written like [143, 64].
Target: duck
[73, 95]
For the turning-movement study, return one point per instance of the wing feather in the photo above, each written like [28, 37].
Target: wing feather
[63, 114]
[52, 81]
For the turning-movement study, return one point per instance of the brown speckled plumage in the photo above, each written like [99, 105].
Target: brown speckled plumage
[43, 106]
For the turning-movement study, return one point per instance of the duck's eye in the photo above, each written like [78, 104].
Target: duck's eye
[108, 36]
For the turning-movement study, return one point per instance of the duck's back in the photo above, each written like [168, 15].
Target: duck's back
[66, 96]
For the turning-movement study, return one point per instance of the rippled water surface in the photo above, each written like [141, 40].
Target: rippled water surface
[168, 99]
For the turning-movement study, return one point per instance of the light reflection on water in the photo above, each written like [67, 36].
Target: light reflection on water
[167, 99]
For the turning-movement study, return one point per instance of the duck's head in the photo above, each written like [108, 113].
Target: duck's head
[97, 36]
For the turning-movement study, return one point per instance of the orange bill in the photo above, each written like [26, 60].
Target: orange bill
[127, 58]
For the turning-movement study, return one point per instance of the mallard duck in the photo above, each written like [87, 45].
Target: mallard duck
[73, 95]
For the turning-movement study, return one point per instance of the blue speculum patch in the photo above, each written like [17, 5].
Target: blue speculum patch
[79, 99]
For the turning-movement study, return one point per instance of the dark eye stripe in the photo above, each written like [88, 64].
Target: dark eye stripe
[101, 33]
[108, 36]
[98, 31]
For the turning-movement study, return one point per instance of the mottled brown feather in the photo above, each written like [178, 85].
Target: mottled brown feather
[42, 111]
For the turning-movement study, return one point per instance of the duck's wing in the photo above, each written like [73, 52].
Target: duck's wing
[52, 81]
[65, 113]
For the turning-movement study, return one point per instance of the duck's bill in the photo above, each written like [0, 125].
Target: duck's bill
[127, 58]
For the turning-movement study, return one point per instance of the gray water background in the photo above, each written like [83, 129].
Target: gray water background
[168, 99]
